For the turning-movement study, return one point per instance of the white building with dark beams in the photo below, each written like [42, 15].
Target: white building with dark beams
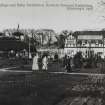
[86, 41]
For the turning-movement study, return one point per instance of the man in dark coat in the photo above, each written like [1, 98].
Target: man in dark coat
[68, 65]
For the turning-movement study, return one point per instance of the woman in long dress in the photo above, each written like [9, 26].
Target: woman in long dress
[35, 63]
[45, 63]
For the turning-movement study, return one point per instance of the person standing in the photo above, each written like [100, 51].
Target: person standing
[40, 62]
[45, 63]
[65, 61]
[68, 65]
[35, 63]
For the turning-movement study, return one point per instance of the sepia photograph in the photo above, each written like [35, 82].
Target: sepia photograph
[52, 52]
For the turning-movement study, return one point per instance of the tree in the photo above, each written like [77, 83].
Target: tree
[61, 41]
[62, 37]
[18, 34]
[78, 58]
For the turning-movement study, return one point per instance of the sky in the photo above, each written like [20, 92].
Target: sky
[38, 15]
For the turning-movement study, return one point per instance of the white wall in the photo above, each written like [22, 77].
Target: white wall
[73, 51]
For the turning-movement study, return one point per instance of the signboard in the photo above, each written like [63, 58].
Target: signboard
[91, 37]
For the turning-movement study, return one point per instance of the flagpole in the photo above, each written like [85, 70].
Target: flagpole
[29, 49]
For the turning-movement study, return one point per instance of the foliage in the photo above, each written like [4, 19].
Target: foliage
[78, 58]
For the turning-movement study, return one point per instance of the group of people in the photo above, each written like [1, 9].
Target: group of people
[68, 63]
[40, 62]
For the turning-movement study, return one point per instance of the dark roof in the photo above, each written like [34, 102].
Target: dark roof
[45, 30]
[1, 34]
[76, 33]
[5, 38]
[17, 33]
[7, 43]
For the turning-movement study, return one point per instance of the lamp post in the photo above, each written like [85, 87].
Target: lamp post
[29, 51]
[103, 48]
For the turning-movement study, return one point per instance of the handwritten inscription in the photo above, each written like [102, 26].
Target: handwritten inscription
[68, 6]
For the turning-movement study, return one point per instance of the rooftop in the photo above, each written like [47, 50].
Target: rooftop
[89, 33]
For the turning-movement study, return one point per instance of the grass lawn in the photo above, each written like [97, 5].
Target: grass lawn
[37, 88]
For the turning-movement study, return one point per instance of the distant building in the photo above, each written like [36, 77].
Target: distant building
[46, 36]
[86, 41]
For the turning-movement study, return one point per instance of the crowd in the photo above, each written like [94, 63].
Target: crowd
[70, 63]
[41, 61]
